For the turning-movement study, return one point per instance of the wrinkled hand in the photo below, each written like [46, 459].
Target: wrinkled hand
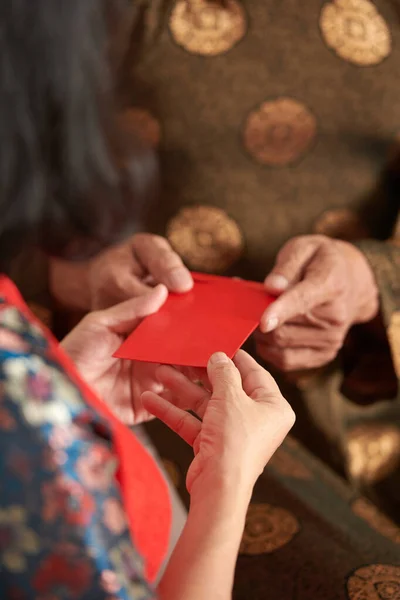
[92, 343]
[244, 420]
[131, 269]
[118, 273]
[325, 286]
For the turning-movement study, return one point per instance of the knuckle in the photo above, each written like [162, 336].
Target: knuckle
[280, 337]
[332, 354]
[93, 319]
[165, 261]
[301, 300]
[337, 343]
[288, 416]
[285, 414]
[199, 402]
[340, 314]
[226, 380]
[284, 361]
[147, 238]
[180, 424]
[314, 239]
[159, 241]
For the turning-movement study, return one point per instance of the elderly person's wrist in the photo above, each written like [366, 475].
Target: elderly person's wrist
[68, 284]
[366, 290]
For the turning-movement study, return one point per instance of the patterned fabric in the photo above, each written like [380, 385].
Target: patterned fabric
[63, 527]
[308, 535]
[274, 120]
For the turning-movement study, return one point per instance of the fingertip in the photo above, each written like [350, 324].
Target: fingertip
[240, 353]
[179, 280]
[158, 295]
[145, 395]
[161, 289]
[150, 400]
[269, 323]
[276, 283]
[242, 358]
[219, 358]
[163, 371]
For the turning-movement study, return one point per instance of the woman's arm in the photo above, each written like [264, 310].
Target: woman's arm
[244, 420]
[203, 563]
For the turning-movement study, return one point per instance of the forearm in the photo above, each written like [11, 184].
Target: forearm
[68, 284]
[203, 564]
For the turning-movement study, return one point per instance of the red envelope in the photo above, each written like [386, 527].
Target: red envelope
[218, 314]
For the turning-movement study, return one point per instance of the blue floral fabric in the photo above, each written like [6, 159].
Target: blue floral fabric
[63, 529]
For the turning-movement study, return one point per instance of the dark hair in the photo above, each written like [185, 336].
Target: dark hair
[66, 181]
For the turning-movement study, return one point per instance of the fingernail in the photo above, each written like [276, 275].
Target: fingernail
[219, 358]
[180, 280]
[277, 282]
[270, 324]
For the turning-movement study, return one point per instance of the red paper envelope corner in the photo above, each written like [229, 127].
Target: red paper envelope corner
[218, 314]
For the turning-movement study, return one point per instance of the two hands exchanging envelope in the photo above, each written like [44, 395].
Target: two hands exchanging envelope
[218, 314]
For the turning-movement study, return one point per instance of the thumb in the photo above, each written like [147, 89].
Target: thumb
[290, 264]
[224, 376]
[124, 317]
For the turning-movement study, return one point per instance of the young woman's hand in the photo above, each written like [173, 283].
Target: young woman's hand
[91, 346]
[243, 420]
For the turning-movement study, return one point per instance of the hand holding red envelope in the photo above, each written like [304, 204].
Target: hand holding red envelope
[218, 314]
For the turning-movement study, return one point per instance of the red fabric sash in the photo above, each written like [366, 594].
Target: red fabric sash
[144, 489]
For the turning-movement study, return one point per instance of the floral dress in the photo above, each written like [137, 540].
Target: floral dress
[64, 533]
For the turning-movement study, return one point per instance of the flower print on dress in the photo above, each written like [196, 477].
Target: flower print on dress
[68, 574]
[12, 319]
[110, 582]
[67, 499]
[62, 436]
[114, 516]
[12, 342]
[21, 464]
[45, 395]
[7, 421]
[96, 467]
[17, 541]
[15, 321]
[128, 565]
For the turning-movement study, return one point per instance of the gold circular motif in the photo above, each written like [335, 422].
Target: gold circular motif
[375, 582]
[207, 27]
[289, 466]
[341, 223]
[267, 529]
[373, 451]
[172, 471]
[279, 132]
[356, 31]
[140, 122]
[377, 520]
[206, 238]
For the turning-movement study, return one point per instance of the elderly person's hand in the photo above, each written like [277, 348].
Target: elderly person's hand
[130, 269]
[119, 273]
[244, 419]
[325, 286]
[92, 343]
